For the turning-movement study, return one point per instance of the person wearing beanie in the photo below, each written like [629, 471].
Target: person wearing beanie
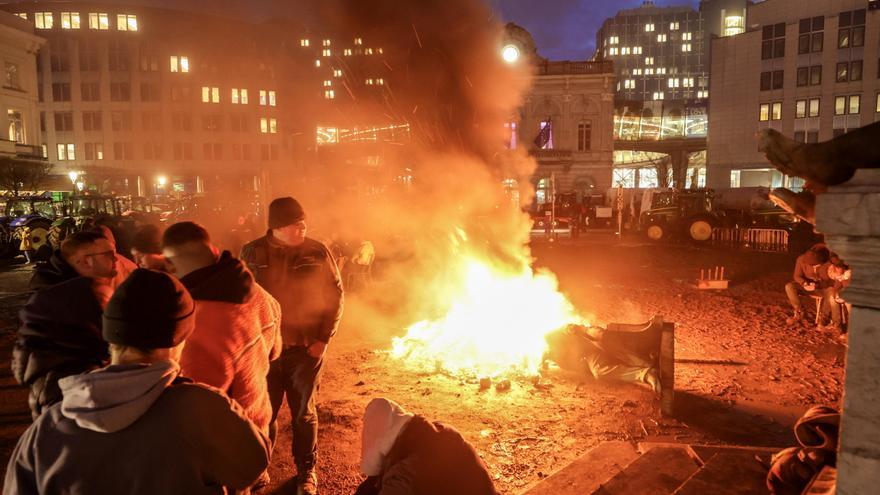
[808, 279]
[302, 275]
[238, 323]
[137, 426]
[405, 453]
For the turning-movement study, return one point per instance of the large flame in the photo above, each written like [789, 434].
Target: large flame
[495, 325]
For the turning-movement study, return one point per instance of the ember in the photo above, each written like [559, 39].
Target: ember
[495, 325]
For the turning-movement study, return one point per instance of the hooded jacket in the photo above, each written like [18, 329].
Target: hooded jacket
[306, 282]
[407, 454]
[137, 429]
[237, 334]
[60, 335]
[52, 272]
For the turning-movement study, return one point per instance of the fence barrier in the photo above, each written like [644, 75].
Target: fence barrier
[764, 240]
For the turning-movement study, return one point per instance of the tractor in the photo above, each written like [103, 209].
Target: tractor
[27, 218]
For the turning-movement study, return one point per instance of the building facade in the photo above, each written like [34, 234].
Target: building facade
[18, 93]
[565, 121]
[807, 68]
[150, 101]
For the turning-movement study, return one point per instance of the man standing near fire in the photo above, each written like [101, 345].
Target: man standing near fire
[302, 275]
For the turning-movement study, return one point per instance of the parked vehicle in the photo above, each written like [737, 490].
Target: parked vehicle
[30, 216]
[81, 212]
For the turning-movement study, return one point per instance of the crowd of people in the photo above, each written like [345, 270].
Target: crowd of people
[165, 373]
[821, 275]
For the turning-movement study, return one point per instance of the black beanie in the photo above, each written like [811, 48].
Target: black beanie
[149, 310]
[284, 212]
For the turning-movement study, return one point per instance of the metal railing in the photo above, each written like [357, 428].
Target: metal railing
[764, 240]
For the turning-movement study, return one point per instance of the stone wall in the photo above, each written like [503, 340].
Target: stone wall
[849, 216]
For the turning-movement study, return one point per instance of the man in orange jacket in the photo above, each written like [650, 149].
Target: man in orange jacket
[238, 324]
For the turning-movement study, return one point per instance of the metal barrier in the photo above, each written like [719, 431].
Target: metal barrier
[765, 240]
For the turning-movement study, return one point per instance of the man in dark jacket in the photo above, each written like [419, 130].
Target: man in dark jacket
[135, 426]
[807, 279]
[402, 453]
[302, 275]
[60, 331]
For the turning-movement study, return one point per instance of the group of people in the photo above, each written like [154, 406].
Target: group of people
[821, 274]
[165, 373]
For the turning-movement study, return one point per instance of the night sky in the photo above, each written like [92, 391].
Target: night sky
[566, 29]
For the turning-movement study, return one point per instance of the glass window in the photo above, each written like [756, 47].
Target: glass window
[12, 77]
[764, 113]
[585, 131]
[99, 20]
[855, 70]
[43, 20]
[777, 111]
[70, 20]
[842, 71]
[855, 102]
[126, 22]
[800, 109]
[803, 76]
[179, 63]
[16, 126]
[814, 107]
[840, 105]
[815, 75]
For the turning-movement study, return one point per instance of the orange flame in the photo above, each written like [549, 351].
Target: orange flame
[495, 325]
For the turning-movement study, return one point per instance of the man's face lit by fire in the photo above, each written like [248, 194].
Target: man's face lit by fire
[97, 260]
[293, 234]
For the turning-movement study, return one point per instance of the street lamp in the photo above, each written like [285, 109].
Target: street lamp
[510, 53]
[74, 177]
[162, 180]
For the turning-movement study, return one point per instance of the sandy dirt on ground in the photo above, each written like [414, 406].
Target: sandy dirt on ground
[744, 376]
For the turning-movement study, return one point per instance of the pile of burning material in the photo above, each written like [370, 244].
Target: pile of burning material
[501, 325]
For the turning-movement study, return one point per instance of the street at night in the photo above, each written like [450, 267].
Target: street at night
[440, 247]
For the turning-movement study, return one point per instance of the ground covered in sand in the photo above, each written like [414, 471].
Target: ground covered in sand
[742, 377]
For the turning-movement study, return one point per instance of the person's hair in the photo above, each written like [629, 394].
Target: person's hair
[147, 240]
[184, 233]
[822, 252]
[77, 241]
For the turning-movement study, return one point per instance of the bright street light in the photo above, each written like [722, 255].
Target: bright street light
[73, 175]
[510, 53]
[162, 180]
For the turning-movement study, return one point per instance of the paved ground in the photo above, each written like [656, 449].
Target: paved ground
[744, 376]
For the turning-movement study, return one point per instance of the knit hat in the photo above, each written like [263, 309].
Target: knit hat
[149, 310]
[383, 422]
[284, 212]
[148, 240]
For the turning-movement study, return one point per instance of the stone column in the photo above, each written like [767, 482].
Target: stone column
[849, 216]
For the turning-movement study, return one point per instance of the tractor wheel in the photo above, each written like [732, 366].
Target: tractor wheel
[39, 234]
[699, 228]
[656, 232]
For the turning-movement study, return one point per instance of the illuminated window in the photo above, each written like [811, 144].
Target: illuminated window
[687, 82]
[326, 52]
[661, 70]
[649, 71]
[99, 20]
[673, 82]
[379, 50]
[649, 60]
[368, 51]
[267, 98]
[329, 94]
[328, 83]
[637, 72]
[210, 94]
[649, 28]
[800, 109]
[733, 25]
[239, 96]
[126, 22]
[23, 15]
[304, 42]
[686, 47]
[625, 50]
[637, 50]
[179, 63]
[658, 95]
[43, 20]
[268, 125]
[337, 72]
[776, 113]
[702, 94]
[764, 112]
[326, 43]
[317, 62]
[380, 81]
[629, 84]
[347, 52]
[814, 107]
[686, 36]
[368, 82]
[612, 51]
[613, 40]
[673, 26]
[70, 20]
[661, 38]
[358, 41]
[66, 152]
[545, 137]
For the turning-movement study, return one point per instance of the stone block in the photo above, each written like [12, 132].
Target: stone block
[586, 473]
[657, 472]
[727, 474]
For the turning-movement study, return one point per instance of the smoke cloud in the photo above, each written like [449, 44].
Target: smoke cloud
[448, 82]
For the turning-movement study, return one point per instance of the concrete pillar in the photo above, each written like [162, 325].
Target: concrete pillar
[849, 216]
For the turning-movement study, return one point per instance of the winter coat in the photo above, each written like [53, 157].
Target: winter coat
[237, 334]
[305, 280]
[137, 429]
[52, 272]
[806, 273]
[430, 459]
[60, 335]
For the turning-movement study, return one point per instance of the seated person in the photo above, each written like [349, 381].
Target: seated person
[578, 348]
[840, 275]
[403, 453]
[807, 279]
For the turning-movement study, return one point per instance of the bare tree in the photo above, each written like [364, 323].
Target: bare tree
[17, 174]
[661, 164]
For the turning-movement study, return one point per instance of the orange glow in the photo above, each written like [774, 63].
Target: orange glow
[495, 325]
